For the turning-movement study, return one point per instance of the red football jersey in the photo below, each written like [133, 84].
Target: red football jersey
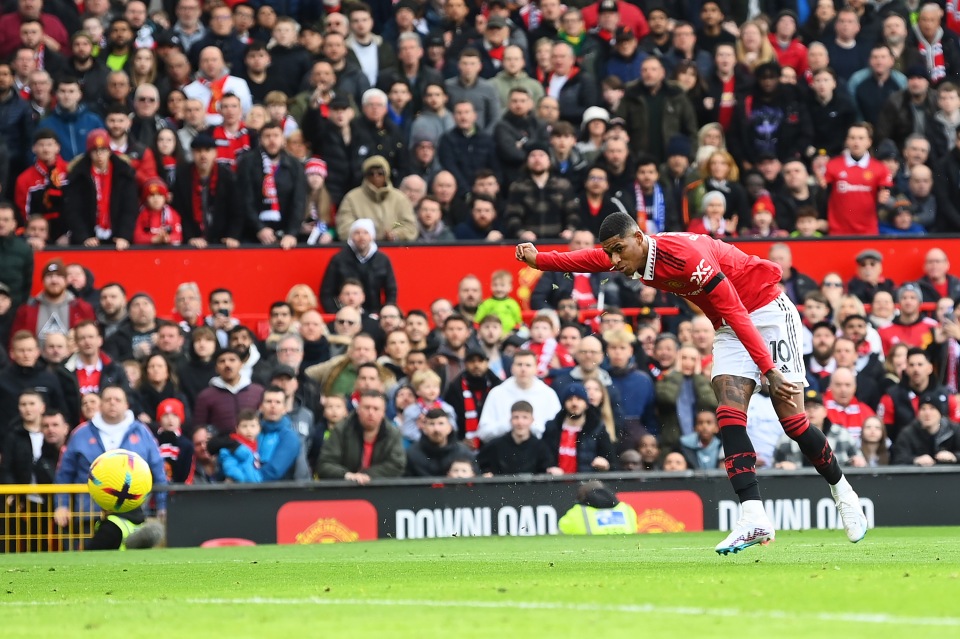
[850, 416]
[726, 283]
[852, 207]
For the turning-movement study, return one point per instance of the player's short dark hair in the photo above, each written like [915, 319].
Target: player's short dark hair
[616, 224]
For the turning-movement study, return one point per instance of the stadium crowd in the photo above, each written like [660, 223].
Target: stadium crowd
[181, 122]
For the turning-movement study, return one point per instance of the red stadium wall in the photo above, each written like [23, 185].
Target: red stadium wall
[259, 277]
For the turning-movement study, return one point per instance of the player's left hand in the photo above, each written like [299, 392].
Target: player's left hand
[781, 389]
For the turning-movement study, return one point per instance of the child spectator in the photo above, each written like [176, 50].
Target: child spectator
[175, 449]
[675, 462]
[276, 103]
[501, 304]
[157, 223]
[901, 221]
[437, 448]
[240, 462]
[426, 385]
[517, 451]
[764, 225]
[403, 397]
[702, 448]
[807, 223]
[550, 353]
[462, 467]
[317, 223]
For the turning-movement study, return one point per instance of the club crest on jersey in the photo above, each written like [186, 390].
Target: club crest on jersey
[675, 284]
[702, 274]
[868, 175]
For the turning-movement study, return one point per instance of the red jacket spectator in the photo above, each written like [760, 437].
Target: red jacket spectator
[10, 32]
[850, 416]
[794, 56]
[157, 223]
[39, 191]
[630, 16]
[50, 301]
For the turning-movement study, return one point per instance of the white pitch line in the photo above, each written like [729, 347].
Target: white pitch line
[853, 617]
[844, 617]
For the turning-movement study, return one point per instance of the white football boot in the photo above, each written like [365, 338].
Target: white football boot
[848, 505]
[753, 527]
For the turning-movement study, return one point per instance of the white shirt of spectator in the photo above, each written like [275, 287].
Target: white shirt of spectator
[495, 417]
[557, 83]
[237, 86]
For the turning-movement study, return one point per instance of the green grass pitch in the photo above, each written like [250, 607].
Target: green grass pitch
[898, 582]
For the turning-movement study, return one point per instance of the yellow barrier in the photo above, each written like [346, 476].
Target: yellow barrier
[26, 519]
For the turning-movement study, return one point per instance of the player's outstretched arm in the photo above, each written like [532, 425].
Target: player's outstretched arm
[592, 260]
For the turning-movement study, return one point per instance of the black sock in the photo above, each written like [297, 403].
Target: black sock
[740, 459]
[814, 446]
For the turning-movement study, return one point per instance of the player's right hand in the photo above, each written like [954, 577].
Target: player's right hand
[781, 389]
[527, 253]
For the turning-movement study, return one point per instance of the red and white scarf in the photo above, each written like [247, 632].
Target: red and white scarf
[103, 183]
[932, 53]
[270, 208]
[471, 407]
[199, 215]
[567, 455]
[216, 91]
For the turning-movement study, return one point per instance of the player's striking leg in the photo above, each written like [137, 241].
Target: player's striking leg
[815, 447]
[753, 527]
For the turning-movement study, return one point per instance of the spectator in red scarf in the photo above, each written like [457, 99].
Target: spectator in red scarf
[467, 392]
[100, 199]
[577, 437]
[39, 189]
[158, 222]
[205, 194]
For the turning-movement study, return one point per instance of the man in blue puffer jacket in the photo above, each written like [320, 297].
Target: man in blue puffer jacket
[71, 120]
[113, 427]
[278, 444]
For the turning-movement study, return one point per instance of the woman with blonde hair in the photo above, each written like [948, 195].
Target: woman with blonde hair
[718, 173]
[301, 299]
[753, 47]
[318, 226]
[711, 134]
[599, 397]
[895, 364]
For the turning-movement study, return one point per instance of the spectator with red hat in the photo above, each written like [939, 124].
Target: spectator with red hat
[176, 450]
[100, 199]
[158, 222]
[317, 223]
[55, 309]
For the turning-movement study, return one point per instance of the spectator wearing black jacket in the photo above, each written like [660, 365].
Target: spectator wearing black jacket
[467, 391]
[727, 86]
[576, 438]
[110, 216]
[376, 134]
[465, 149]
[832, 110]
[573, 87]
[869, 279]
[772, 119]
[898, 119]
[517, 128]
[555, 286]
[26, 372]
[596, 201]
[931, 439]
[205, 196]
[16, 124]
[436, 449]
[360, 260]
[273, 190]
[518, 451]
[220, 34]
[18, 464]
